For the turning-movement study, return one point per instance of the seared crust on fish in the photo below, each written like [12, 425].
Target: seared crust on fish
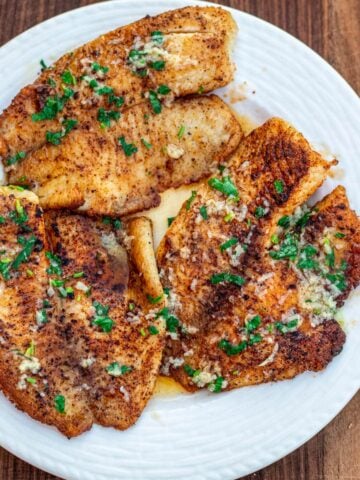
[260, 307]
[92, 171]
[194, 45]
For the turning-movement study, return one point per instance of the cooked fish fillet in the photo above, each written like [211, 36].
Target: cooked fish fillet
[119, 366]
[86, 348]
[35, 364]
[186, 50]
[241, 316]
[92, 171]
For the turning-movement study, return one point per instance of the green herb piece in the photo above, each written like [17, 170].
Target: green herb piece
[225, 186]
[59, 401]
[116, 370]
[78, 274]
[201, 89]
[154, 300]
[2, 220]
[170, 220]
[157, 65]
[19, 215]
[105, 117]
[172, 323]
[306, 261]
[102, 319]
[216, 385]
[330, 258]
[31, 380]
[163, 90]
[57, 283]
[41, 317]
[68, 78]
[253, 324]
[288, 248]
[157, 37]
[129, 148]
[340, 235]
[229, 217]
[254, 338]
[131, 306]
[190, 200]
[274, 239]
[117, 101]
[55, 264]
[30, 351]
[167, 291]
[43, 65]
[181, 132]
[5, 266]
[146, 144]
[51, 82]
[284, 221]
[15, 158]
[286, 327]
[203, 212]
[155, 102]
[301, 223]
[279, 186]
[105, 90]
[25, 253]
[153, 330]
[227, 277]
[96, 67]
[117, 224]
[259, 212]
[53, 105]
[338, 279]
[189, 370]
[56, 137]
[229, 243]
[230, 348]
[46, 303]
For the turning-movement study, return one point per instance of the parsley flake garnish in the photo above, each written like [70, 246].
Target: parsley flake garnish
[259, 212]
[227, 277]
[170, 220]
[116, 370]
[105, 117]
[230, 348]
[68, 78]
[181, 132]
[157, 37]
[146, 144]
[286, 327]
[15, 158]
[55, 264]
[129, 148]
[229, 243]
[203, 212]
[56, 137]
[43, 65]
[279, 186]
[225, 186]
[59, 402]
[53, 105]
[190, 200]
[154, 300]
[102, 319]
[96, 67]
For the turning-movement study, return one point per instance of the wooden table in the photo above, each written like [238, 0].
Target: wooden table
[330, 27]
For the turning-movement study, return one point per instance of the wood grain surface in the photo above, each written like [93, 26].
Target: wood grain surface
[331, 28]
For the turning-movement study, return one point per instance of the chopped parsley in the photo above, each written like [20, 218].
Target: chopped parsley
[340, 235]
[229, 243]
[227, 277]
[253, 324]
[284, 221]
[105, 117]
[96, 67]
[259, 212]
[217, 385]
[279, 186]
[190, 200]
[157, 37]
[56, 137]
[232, 349]
[116, 370]
[41, 317]
[153, 330]
[154, 99]
[53, 105]
[288, 248]
[301, 223]
[68, 78]
[101, 318]
[189, 370]
[15, 158]
[30, 351]
[129, 148]
[286, 327]
[59, 401]
[170, 220]
[105, 90]
[117, 101]
[172, 323]
[146, 143]
[225, 186]
[19, 215]
[201, 89]
[157, 65]
[154, 300]
[55, 264]
[115, 222]
[181, 132]
[274, 239]
[306, 260]
[43, 65]
[203, 212]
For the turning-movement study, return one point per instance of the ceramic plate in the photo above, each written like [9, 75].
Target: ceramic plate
[205, 436]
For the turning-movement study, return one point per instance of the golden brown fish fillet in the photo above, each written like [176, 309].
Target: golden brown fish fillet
[108, 320]
[243, 316]
[86, 348]
[190, 54]
[92, 171]
[35, 364]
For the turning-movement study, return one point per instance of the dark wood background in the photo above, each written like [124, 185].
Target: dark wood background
[331, 28]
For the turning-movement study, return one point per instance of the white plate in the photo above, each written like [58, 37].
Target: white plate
[206, 436]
